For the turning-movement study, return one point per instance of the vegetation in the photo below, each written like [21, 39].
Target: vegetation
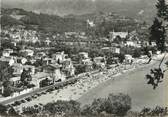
[44, 22]
[114, 105]
[157, 30]
[6, 71]
[158, 34]
[162, 9]
[25, 77]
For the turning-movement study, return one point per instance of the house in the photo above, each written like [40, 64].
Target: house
[153, 44]
[38, 77]
[9, 60]
[1, 87]
[122, 35]
[29, 68]
[27, 52]
[145, 43]
[47, 41]
[21, 60]
[88, 64]
[18, 69]
[130, 43]
[15, 81]
[133, 43]
[68, 68]
[14, 43]
[59, 57]
[54, 71]
[40, 55]
[128, 59]
[100, 61]
[47, 61]
[7, 52]
[83, 55]
[34, 39]
[114, 49]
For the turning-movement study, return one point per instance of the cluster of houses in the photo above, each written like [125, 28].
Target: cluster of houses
[19, 33]
[59, 66]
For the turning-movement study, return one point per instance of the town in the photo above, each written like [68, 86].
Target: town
[34, 63]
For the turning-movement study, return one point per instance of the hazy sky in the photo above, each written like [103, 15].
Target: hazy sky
[63, 7]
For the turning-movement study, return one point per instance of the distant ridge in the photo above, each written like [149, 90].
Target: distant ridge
[129, 8]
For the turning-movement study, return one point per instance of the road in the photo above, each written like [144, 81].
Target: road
[8, 101]
[134, 84]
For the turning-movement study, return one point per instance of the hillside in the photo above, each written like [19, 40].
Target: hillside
[45, 22]
[54, 23]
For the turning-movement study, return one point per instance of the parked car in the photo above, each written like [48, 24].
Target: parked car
[23, 101]
[28, 99]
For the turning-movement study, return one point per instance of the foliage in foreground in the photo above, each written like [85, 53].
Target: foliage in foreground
[113, 106]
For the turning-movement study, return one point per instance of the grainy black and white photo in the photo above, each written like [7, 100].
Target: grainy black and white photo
[84, 58]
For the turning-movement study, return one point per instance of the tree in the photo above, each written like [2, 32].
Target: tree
[25, 77]
[7, 91]
[137, 53]
[12, 112]
[162, 9]
[5, 71]
[118, 105]
[3, 110]
[157, 34]
[63, 107]
[121, 58]
[6, 44]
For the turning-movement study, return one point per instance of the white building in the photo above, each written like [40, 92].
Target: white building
[27, 52]
[68, 67]
[100, 62]
[7, 52]
[83, 55]
[128, 58]
[59, 56]
[18, 68]
[21, 60]
[9, 60]
[47, 41]
[113, 35]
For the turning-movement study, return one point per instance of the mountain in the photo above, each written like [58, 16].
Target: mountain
[130, 8]
[44, 22]
[104, 22]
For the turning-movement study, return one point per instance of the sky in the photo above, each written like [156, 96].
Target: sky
[64, 7]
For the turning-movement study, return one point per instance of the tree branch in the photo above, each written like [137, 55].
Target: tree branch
[162, 60]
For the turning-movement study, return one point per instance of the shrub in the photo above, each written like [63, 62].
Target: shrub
[114, 104]
[118, 104]
[7, 92]
[3, 110]
[60, 107]
[137, 53]
[156, 112]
